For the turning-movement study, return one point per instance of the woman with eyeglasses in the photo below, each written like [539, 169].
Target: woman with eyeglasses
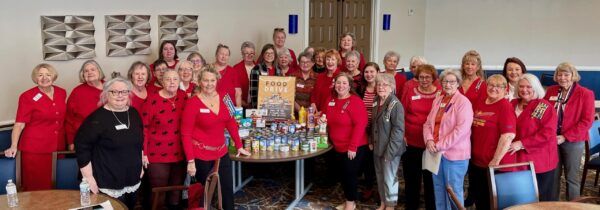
[244, 68]
[493, 129]
[84, 98]
[447, 134]
[109, 144]
[265, 66]
[417, 103]
[198, 62]
[185, 70]
[351, 67]
[285, 67]
[415, 62]
[160, 66]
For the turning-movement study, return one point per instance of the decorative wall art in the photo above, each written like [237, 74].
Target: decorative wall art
[68, 37]
[181, 29]
[127, 35]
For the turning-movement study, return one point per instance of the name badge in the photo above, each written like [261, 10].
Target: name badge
[332, 103]
[264, 73]
[120, 127]
[37, 97]
[553, 98]
[204, 111]
[300, 85]
[417, 97]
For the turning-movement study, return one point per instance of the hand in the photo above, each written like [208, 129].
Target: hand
[515, 146]
[351, 155]
[10, 152]
[93, 185]
[494, 162]
[191, 168]
[431, 146]
[243, 152]
[561, 139]
[71, 147]
[322, 120]
[371, 147]
[145, 161]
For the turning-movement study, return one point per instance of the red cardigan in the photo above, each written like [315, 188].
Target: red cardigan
[202, 127]
[578, 114]
[84, 100]
[347, 126]
[538, 135]
[161, 118]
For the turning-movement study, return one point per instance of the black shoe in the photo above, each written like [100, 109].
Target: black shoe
[469, 202]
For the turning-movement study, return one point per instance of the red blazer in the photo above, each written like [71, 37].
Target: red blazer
[578, 112]
[537, 132]
[84, 100]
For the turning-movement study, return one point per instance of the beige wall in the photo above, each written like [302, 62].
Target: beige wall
[225, 21]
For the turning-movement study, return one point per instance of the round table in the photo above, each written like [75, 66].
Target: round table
[57, 199]
[274, 157]
[549, 205]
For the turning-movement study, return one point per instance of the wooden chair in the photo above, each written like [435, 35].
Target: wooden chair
[212, 184]
[65, 170]
[512, 188]
[455, 200]
[591, 147]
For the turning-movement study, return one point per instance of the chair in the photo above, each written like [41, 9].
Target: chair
[547, 79]
[10, 168]
[65, 171]
[211, 185]
[591, 147]
[512, 188]
[5, 138]
[455, 200]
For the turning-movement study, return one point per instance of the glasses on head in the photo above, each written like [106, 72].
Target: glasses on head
[278, 30]
[119, 92]
[451, 82]
[421, 77]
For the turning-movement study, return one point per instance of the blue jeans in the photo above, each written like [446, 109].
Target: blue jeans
[450, 173]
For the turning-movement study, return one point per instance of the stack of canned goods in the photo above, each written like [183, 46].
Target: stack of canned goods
[283, 137]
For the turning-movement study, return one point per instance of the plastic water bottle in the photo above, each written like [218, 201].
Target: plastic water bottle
[84, 189]
[11, 194]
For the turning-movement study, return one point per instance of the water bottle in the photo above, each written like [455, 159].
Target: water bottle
[84, 189]
[11, 194]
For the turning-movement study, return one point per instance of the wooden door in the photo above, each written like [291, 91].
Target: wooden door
[323, 25]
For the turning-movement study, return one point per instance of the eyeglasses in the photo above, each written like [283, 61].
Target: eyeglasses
[383, 85]
[196, 61]
[161, 69]
[119, 92]
[452, 82]
[186, 69]
[425, 77]
[247, 53]
[496, 86]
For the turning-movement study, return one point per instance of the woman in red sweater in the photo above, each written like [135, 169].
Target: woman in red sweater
[417, 103]
[138, 74]
[39, 128]
[347, 119]
[228, 83]
[84, 99]
[324, 85]
[575, 107]
[203, 121]
[163, 153]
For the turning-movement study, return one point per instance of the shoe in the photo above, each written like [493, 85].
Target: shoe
[366, 195]
[469, 202]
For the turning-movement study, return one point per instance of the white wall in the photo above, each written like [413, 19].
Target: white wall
[225, 21]
[542, 33]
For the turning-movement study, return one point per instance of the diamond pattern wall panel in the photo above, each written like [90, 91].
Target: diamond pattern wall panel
[127, 35]
[181, 29]
[68, 37]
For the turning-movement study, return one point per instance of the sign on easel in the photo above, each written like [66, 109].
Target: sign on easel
[276, 95]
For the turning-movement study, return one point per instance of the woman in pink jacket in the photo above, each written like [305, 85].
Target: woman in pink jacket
[447, 133]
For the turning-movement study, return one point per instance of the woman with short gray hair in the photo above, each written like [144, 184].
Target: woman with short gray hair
[243, 68]
[390, 62]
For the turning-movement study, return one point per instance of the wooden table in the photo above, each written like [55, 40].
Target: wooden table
[555, 205]
[57, 199]
[275, 157]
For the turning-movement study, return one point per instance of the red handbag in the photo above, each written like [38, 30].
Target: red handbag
[198, 191]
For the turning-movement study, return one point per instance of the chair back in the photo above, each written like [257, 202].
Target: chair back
[512, 188]
[594, 142]
[10, 168]
[547, 79]
[5, 138]
[65, 171]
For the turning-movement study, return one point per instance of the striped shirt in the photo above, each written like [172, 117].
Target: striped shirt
[368, 99]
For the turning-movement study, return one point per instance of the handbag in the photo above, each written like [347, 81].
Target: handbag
[198, 191]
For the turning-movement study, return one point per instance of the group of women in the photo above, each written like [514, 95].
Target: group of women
[175, 112]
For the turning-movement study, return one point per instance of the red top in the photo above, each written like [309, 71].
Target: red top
[137, 102]
[578, 112]
[84, 100]
[44, 120]
[413, 83]
[291, 71]
[190, 89]
[228, 82]
[162, 140]
[477, 89]
[151, 88]
[489, 122]
[153, 77]
[361, 64]
[536, 129]
[400, 80]
[294, 62]
[347, 123]
[417, 106]
[243, 79]
[201, 127]
[322, 91]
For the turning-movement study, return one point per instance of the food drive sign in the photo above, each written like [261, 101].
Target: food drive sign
[276, 95]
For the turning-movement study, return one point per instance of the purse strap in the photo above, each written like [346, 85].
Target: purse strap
[210, 187]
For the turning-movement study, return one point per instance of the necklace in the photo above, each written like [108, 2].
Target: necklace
[120, 123]
[172, 101]
[209, 99]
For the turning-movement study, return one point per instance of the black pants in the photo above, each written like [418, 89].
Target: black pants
[349, 171]
[203, 168]
[547, 185]
[368, 169]
[128, 199]
[479, 186]
[413, 175]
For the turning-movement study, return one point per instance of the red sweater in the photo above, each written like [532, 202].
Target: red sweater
[361, 64]
[44, 120]
[243, 79]
[161, 117]
[137, 102]
[489, 122]
[347, 126]
[578, 114]
[413, 83]
[190, 89]
[417, 106]
[322, 90]
[84, 100]
[537, 132]
[201, 127]
[400, 80]
[477, 89]
[228, 82]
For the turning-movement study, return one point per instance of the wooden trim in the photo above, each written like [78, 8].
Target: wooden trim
[454, 198]
[492, 181]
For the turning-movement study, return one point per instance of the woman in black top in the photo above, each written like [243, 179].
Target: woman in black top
[109, 144]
